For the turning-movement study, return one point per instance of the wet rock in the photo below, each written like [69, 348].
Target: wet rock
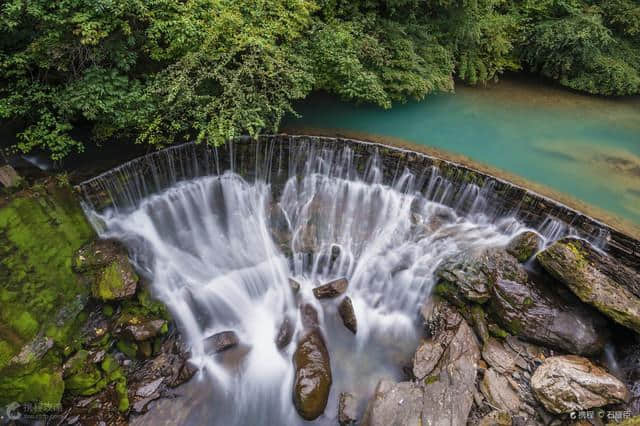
[348, 315]
[496, 418]
[395, 404]
[8, 176]
[285, 333]
[596, 279]
[524, 245]
[347, 409]
[499, 392]
[465, 276]
[331, 289]
[221, 341]
[449, 389]
[312, 376]
[295, 285]
[143, 329]
[306, 239]
[529, 310]
[571, 383]
[309, 316]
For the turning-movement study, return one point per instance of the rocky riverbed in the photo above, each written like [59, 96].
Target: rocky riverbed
[516, 335]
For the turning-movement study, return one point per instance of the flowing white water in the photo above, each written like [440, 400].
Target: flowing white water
[219, 251]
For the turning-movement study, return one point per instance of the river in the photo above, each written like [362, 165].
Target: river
[584, 147]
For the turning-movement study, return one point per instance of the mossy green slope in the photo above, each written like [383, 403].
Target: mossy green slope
[40, 296]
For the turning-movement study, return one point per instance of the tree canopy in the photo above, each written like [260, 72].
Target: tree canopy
[164, 71]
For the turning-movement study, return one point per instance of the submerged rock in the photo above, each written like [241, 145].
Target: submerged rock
[571, 383]
[285, 333]
[596, 279]
[348, 315]
[221, 341]
[395, 404]
[347, 409]
[524, 245]
[529, 310]
[295, 285]
[331, 289]
[312, 375]
[309, 316]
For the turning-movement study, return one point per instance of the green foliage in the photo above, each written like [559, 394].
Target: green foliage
[163, 71]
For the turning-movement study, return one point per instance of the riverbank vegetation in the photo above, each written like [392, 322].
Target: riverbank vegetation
[74, 72]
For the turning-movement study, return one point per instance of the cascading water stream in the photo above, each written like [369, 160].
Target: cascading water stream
[219, 250]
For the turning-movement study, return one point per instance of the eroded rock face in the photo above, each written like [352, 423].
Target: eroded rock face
[596, 279]
[449, 388]
[529, 310]
[524, 245]
[395, 404]
[348, 315]
[312, 375]
[571, 383]
[331, 289]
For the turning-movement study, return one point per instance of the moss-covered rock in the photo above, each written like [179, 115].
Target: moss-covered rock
[40, 295]
[596, 279]
[524, 245]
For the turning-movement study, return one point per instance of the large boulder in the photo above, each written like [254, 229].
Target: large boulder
[571, 383]
[524, 245]
[312, 375]
[395, 404]
[537, 313]
[595, 278]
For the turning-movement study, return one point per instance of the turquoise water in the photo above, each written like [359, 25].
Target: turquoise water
[586, 147]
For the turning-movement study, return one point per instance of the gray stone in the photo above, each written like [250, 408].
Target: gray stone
[145, 330]
[502, 359]
[499, 392]
[449, 390]
[571, 383]
[536, 313]
[149, 388]
[395, 404]
[285, 333]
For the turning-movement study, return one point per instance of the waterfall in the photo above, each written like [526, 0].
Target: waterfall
[219, 239]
